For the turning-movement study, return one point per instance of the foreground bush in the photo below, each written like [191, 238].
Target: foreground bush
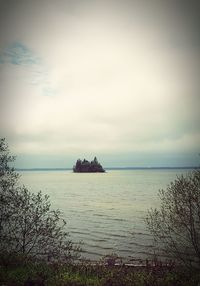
[176, 224]
[28, 225]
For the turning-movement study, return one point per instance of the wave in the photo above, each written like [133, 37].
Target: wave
[110, 234]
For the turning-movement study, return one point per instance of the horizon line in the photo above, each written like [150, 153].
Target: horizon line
[109, 168]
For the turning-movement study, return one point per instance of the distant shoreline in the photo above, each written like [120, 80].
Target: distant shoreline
[112, 168]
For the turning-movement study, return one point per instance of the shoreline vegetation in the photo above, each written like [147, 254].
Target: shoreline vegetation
[35, 248]
[88, 167]
[103, 273]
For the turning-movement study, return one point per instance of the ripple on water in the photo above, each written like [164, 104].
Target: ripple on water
[105, 211]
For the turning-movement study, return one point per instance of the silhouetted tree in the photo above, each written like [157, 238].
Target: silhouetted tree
[8, 182]
[176, 224]
[27, 223]
[85, 166]
[78, 165]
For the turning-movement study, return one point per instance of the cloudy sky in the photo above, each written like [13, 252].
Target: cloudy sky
[115, 79]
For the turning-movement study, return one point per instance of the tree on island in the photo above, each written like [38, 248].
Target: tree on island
[88, 167]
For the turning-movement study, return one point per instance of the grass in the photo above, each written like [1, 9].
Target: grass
[86, 274]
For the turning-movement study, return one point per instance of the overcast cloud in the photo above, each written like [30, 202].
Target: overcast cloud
[115, 79]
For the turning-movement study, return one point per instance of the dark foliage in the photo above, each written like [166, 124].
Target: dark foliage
[28, 226]
[88, 167]
[86, 274]
[176, 224]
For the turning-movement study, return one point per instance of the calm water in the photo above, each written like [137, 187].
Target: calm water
[106, 210]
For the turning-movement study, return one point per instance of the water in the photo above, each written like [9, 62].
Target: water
[105, 211]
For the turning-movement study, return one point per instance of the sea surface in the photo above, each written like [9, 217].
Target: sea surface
[105, 211]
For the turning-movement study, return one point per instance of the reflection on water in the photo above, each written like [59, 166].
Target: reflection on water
[104, 210]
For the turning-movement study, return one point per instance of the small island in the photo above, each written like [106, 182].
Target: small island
[88, 167]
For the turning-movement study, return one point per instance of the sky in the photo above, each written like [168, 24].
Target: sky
[114, 79]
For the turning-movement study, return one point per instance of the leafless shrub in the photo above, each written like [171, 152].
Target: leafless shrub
[176, 224]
